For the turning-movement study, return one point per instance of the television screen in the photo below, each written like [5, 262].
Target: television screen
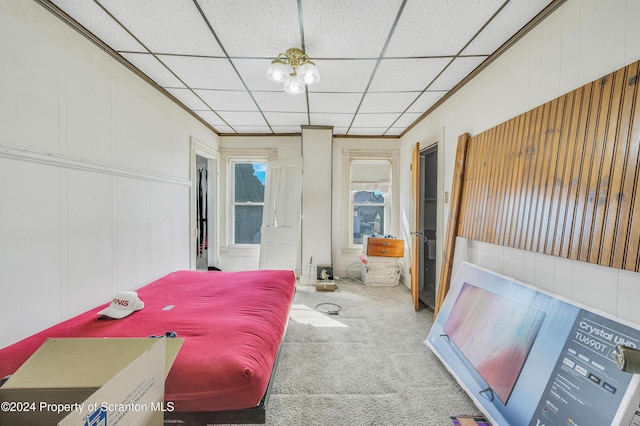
[495, 335]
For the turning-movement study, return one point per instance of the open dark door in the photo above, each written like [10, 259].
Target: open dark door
[428, 219]
[424, 170]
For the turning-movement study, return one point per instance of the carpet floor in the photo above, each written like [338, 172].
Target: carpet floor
[365, 365]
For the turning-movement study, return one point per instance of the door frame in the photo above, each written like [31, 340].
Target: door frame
[199, 148]
[416, 240]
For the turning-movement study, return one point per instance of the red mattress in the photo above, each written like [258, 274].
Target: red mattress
[232, 323]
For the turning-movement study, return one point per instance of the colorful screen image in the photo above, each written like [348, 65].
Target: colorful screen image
[495, 335]
[469, 420]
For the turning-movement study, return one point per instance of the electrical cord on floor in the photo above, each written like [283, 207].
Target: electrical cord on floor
[329, 311]
[354, 277]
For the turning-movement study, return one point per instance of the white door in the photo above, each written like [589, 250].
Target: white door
[280, 235]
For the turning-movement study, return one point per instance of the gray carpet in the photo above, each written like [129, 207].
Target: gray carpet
[376, 371]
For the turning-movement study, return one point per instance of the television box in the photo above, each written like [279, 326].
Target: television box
[91, 381]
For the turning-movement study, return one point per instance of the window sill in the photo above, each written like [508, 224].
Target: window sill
[241, 250]
[351, 251]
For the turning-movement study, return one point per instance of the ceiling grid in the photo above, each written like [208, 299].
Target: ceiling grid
[384, 64]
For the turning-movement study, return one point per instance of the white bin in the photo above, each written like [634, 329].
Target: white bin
[381, 273]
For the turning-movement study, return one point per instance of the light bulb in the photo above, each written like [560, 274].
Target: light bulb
[293, 86]
[277, 71]
[308, 74]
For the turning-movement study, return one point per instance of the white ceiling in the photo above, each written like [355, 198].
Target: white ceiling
[383, 63]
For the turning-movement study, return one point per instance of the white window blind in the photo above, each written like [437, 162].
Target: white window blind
[371, 175]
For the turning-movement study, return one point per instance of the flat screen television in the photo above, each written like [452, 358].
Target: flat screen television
[495, 334]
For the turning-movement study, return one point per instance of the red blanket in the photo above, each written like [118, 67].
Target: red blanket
[232, 323]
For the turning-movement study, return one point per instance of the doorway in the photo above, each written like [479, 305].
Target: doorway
[204, 175]
[202, 213]
[427, 226]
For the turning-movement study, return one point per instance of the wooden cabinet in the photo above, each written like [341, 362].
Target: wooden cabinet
[389, 247]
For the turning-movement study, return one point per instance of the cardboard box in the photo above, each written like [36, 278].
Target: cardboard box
[91, 381]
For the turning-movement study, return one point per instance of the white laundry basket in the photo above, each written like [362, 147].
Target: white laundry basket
[385, 272]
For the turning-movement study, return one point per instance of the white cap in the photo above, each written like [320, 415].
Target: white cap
[122, 305]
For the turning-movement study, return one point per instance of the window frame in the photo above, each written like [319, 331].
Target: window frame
[230, 157]
[233, 162]
[391, 205]
[354, 205]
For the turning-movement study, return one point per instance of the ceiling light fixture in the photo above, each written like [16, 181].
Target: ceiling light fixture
[294, 69]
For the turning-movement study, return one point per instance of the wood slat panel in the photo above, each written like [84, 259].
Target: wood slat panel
[579, 130]
[617, 190]
[587, 140]
[535, 150]
[504, 140]
[629, 223]
[605, 183]
[518, 150]
[503, 191]
[561, 179]
[595, 196]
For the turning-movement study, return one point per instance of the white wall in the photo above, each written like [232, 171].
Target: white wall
[580, 42]
[94, 174]
[315, 242]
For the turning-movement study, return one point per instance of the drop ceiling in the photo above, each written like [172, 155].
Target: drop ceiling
[383, 63]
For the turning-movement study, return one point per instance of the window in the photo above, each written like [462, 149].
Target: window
[368, 214]
[247, 203]
[370, 187]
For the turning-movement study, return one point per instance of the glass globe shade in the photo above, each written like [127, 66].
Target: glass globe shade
[293, 86]
[308, 74]
[278, 71]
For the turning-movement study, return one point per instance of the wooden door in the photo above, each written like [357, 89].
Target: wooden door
[416, 239]
[280, 236]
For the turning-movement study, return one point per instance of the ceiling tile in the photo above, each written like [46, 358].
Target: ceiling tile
[286, 118]
[253, 129]
[374, 120]
[406, 119]
[458, 70]
[515, 15]
[240, 118]
[281, 101]
[187, 97]
[366, 131]
[338, 120]
[153, 68]
[439, 28]
[334, 102]
[228, 100]
[426, 101]
[394, 131]
[343, 75]
[387, 102]
[212, 118]
[328, 24]
[203, 73]
[225, 129]
[254, 27]
[341, 131]
[145, 18]
[92, 17]
[286, 129]
[254, 74]
[395, 75]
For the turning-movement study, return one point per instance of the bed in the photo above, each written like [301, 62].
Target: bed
[232, 323]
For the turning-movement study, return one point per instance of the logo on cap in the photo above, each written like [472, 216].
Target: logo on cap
[122, 305]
